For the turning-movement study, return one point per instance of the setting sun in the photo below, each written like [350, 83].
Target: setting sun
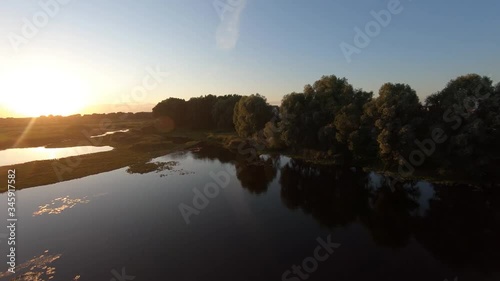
[44, 89]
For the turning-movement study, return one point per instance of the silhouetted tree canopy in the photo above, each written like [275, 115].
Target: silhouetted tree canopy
[333, 119]
[397, 115]
[174, 108]
[251, 113]
[205, 112]
[468, 110]
[223, 111]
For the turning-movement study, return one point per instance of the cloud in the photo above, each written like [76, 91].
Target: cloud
[228, 32]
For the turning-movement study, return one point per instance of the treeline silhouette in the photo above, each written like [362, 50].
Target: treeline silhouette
[206, 112]
[454, 130]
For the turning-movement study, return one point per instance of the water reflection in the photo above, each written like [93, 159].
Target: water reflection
[462, 227]
[257, 175]
[36, 269]
[110, 133]
[22, 155]
[163, 168]
[215, 153]
[333, 197]
[459, 224]
[390, 214]
[265, 220]
[58, 205]
[254, 173]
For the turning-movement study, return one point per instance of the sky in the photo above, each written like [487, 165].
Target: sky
[84, 56]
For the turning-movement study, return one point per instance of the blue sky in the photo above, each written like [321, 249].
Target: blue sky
[261, 46]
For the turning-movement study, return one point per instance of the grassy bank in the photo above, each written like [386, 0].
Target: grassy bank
[52, 171]
[43, 131]
[131, 148]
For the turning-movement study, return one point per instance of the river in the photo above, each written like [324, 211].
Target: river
[211, 216]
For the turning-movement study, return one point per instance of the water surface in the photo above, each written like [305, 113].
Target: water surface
[22, 155]
[110, 133]
[264, 219]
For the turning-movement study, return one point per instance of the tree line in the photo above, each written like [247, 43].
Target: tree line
[206, 112]
[455, 129]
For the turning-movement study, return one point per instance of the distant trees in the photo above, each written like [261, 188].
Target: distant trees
[307, 117]
[333, 117]
[223, 111]
[205, 112]
[199, 112]
[325, 117]
[272, 134]
[251, 113]
[468, 111]
[294, 129]
[356, 130]
[172, 108]
[336, 120]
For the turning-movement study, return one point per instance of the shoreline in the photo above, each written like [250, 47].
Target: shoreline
[136, 148]
[125, 153]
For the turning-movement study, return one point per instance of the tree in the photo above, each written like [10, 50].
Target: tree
[293, 108]
[325, 117]
[173, 108]
[272, 134]
[468, 111]
[204, 112]
[199, 112]
[307, 117]
[351, 132]
[251, 113]
[396, 114]
[223, 110]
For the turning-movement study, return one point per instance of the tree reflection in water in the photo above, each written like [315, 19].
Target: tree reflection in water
[458, 224]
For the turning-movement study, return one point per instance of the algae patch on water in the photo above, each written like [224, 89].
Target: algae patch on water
[165, 168]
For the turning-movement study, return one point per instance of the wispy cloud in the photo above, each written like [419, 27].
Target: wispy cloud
[228, 32]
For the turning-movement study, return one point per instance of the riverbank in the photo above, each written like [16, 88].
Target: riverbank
[137, 147]
[131, 148]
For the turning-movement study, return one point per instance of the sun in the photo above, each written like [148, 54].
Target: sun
[33, 91]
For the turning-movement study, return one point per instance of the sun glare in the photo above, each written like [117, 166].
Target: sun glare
[44, 90]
